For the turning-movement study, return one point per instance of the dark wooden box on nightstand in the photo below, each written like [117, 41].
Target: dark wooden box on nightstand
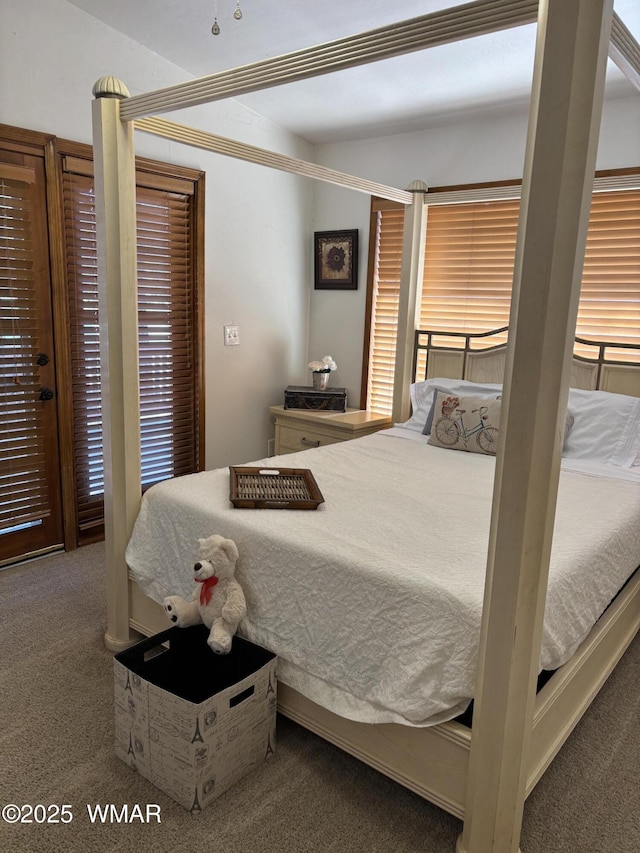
[306, 397]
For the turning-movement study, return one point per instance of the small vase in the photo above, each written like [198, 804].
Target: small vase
[320, 380]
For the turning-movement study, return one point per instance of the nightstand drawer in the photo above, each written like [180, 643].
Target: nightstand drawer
[300, 429]
[291, 440]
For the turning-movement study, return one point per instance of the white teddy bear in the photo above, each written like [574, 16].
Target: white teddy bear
[218, 601]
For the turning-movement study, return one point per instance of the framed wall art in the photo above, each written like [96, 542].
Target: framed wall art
[336, 260]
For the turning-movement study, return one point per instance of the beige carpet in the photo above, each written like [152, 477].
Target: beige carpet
[56, 747]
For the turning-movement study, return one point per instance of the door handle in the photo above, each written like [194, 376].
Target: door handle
[46, 394]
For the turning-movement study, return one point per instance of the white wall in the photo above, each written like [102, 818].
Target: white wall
[460, 152]
[257, 247]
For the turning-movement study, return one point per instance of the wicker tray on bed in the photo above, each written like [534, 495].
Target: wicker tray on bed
[274, 488]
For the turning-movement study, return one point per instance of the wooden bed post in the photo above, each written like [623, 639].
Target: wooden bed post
[114, 164]
[571, 55]
[410, 287]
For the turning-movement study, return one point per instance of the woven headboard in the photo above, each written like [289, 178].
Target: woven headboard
[480, 357]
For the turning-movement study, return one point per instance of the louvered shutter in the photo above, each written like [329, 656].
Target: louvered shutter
[166, 312]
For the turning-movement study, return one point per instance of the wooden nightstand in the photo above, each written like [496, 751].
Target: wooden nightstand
[299, 429]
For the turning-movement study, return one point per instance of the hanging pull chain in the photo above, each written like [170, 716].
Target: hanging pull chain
[237, 14]
[215, 29]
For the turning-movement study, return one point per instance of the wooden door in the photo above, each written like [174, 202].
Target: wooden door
[30, 499]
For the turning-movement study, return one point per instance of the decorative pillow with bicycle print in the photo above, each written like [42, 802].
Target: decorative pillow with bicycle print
[465, 423]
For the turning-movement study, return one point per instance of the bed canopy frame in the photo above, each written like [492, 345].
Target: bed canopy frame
[574, 38]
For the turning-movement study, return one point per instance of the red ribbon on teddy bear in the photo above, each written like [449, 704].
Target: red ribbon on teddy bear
[207, 589]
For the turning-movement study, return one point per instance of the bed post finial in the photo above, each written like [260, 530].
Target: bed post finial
[417, 187]
[109, 87]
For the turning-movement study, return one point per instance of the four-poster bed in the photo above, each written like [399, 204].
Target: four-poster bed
[287, 563]
[515, 735]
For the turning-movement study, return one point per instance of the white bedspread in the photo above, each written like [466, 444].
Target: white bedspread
[373, 602]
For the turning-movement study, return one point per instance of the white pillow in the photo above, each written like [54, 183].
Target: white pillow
[606, 427]
[601, 426]
[422, 394]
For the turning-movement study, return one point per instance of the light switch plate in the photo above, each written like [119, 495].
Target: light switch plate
[231, 336]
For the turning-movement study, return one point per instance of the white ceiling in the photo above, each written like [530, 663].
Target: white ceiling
[490, 72]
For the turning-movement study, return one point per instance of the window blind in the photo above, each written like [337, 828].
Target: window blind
[82, 282]
[165, 311]
[389, 224]
[468, 266]
[609, 306]
[169, 438]
[23, 476]
[469, 261]
[468, 272]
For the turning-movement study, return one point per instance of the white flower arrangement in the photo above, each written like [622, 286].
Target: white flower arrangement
[323, 366]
